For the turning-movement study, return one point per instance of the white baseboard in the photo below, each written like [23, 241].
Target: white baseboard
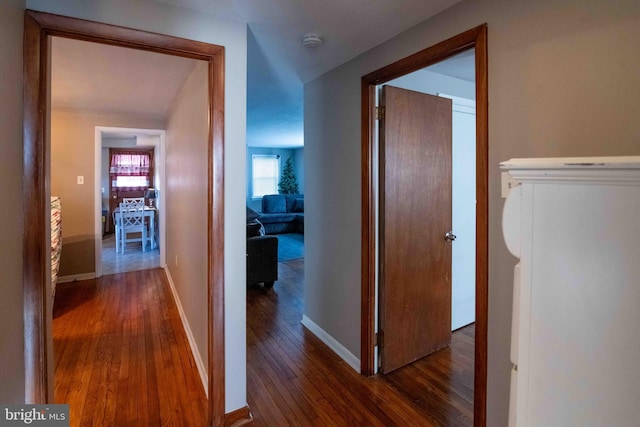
[192, 342]
[331, 342]
[76, 277]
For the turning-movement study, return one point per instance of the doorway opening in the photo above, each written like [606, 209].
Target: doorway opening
[110, 141]
[472, 39]
[39, 28]
[439, 195]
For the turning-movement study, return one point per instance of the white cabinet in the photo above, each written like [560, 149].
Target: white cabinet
[574, 224]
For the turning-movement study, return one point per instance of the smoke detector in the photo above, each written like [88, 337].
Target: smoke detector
[312, 40]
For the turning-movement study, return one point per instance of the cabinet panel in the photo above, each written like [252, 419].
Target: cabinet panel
[576, 294]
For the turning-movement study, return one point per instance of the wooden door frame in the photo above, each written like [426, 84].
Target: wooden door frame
[473, 38]
[37, 334]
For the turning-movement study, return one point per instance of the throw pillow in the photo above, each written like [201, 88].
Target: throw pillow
[291, 200]
[298, 205]
[274, 203]
[251, 215]
[255, 228]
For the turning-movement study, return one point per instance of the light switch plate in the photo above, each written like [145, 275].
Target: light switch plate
[80, 179]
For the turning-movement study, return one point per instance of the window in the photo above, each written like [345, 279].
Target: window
[266, 172]
[131, 181]
[131, 169]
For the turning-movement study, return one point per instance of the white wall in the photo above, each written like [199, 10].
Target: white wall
[299, 167]
[187, 203]
[426, 81]
[166, 19]
[562, 82]
[463, 253]
[11, 226]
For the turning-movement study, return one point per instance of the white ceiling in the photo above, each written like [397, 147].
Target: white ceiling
[349, 27]
[110, 79]
[461, 66]
[106, 79]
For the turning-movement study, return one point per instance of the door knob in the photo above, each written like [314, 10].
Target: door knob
[450, 236]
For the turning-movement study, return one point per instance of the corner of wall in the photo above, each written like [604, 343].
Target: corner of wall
[12, 386]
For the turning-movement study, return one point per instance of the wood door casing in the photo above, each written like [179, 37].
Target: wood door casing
[38, 349]
[415, 214]
[474, 38]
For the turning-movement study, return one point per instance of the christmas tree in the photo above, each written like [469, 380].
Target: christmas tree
[288, 183]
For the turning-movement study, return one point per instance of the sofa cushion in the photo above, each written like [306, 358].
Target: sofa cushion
[291, 200]
[298, 224]
[298, 206]
[274, 203]
[277, 217]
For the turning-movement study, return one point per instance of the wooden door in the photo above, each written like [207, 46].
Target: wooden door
[415, 215]
[117, 194]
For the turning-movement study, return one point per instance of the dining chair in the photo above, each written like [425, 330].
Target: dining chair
[118, 227]
[133, 202]
[132, 221]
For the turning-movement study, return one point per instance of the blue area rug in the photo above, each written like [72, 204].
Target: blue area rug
[290, 246]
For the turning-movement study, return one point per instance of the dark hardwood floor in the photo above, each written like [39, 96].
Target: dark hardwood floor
[294, 379]
[122, 359]
[121, 355]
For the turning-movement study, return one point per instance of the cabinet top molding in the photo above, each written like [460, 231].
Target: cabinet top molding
[626, 162]
[575, 170]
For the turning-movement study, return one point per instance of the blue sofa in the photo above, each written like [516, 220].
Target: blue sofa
[282, 213]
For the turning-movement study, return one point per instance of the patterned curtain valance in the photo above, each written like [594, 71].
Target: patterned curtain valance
[130, 164]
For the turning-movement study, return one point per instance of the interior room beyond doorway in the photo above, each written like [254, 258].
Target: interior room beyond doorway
[117, 254]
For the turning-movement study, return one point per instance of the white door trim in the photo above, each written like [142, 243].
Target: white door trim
[159, 183]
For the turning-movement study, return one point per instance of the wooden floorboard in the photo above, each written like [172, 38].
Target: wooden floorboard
[294, 379]
[123, 359]
[121, 354]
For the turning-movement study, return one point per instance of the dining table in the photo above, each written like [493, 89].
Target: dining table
[149, 212]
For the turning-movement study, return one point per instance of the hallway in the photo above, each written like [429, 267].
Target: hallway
[294, 379]
[122, 358]
[121, 354]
